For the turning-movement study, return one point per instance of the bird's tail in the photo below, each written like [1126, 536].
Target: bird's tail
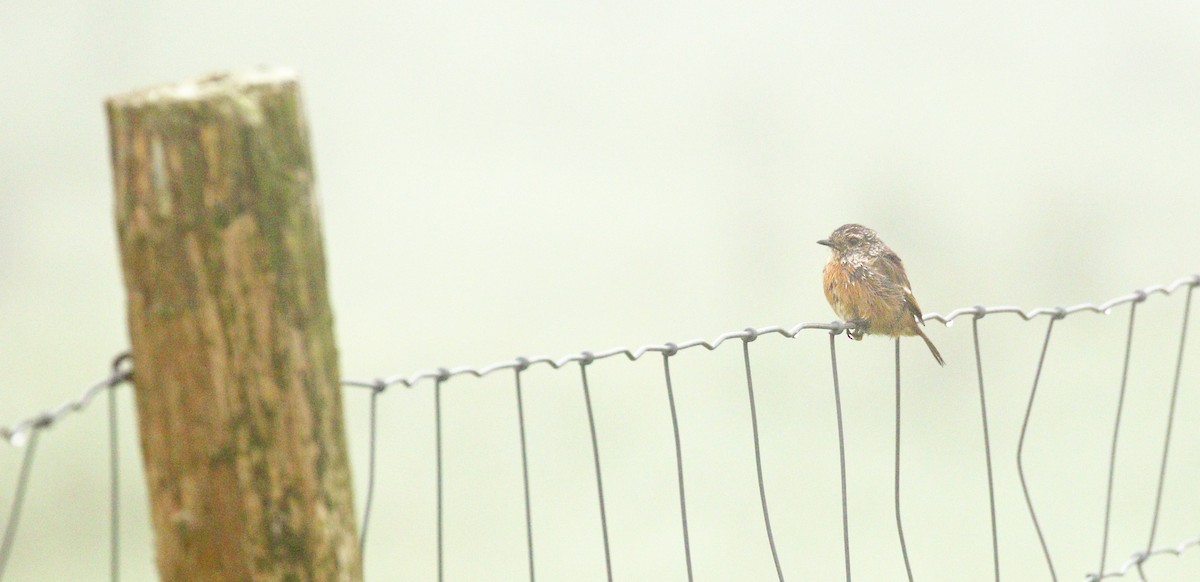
[932, 348]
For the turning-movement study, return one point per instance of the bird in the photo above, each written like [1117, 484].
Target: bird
[865, 284]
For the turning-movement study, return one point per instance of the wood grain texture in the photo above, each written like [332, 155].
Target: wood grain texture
[236, 381]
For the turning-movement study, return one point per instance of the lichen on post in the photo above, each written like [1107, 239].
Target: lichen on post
[237, 383]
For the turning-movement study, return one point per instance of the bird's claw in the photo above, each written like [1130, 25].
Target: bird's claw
[855, 332]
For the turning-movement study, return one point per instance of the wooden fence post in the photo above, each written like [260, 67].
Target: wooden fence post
[236, 381]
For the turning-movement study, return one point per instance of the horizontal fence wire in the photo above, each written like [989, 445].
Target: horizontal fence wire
[410, 380]
[17, 433]
[24, 432]
[1138, 558]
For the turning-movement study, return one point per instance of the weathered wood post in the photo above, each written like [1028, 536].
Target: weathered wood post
[236, 372]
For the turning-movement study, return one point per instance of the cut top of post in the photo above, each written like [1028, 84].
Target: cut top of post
[203, 88]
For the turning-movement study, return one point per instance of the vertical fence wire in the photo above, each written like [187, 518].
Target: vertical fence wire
[762, 489]
[899, 523]
[587, 399]
[837, 401]
[1112, 455]
[14, 515]
[120, 373]
[687, 546]
[372, 437]
[114, 497]
[30, 430]
[987, 446]
[1021, 447]
[1162, 472]
[437, 420]
[524, 464]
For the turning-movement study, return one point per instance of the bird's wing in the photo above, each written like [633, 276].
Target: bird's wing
[893, 269]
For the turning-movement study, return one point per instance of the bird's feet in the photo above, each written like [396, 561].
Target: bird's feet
[856, 333]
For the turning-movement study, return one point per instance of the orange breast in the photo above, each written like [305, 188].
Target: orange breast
[841, 291]
[867, 299]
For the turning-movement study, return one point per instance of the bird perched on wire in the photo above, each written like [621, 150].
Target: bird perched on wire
[866, 285]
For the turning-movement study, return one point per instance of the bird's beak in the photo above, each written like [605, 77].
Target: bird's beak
[825, 242]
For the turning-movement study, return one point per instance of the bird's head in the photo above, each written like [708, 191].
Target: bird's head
[851, 239]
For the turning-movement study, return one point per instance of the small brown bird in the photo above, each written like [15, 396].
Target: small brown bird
[866, 285]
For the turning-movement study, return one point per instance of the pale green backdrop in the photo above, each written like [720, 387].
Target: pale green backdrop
[522, 178]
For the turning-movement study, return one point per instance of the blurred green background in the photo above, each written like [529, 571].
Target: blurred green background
[522, 178]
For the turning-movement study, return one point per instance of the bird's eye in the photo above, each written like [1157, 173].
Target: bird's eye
[854, 240]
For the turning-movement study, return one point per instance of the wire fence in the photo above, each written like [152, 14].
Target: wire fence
[25, 434]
